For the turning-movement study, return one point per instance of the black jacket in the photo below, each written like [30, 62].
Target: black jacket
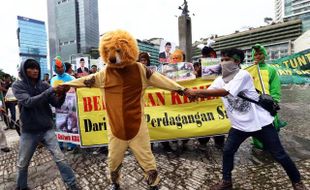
[162, 55]
[79, 70]
[34, 103]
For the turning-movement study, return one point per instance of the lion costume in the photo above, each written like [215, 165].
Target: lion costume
[123, 83]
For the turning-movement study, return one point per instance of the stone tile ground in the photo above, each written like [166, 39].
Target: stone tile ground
[189, 170]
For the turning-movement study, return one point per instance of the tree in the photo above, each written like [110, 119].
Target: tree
[2, 73]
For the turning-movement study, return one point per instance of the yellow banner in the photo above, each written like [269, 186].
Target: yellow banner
[92, 117]
[253, 70]
[169, 115]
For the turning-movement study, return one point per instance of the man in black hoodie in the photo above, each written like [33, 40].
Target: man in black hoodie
[34, 98]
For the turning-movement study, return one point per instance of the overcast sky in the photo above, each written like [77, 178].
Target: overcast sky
[143, 18]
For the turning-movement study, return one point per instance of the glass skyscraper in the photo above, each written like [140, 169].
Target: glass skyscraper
[292, 10]
[150, 48]
[73, 27]
[32, 41]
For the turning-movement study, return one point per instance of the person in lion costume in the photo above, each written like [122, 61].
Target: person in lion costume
[123, 82]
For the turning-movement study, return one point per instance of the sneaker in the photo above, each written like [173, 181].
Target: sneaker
[74, 187]
[103, 150]
[299, 186]
[168, 149]
[154, 187]
[6, 149]
[115, 186]
[184, 148]
[219, 142]
[27, 188]
[223, 185]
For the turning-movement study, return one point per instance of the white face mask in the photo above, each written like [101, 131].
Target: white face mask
[229, 70]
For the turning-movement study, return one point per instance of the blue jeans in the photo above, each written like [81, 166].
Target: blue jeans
[27, 146]
[268, 135]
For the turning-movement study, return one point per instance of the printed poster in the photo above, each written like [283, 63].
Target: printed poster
[179, 72]
[210, 68]
[67, 120]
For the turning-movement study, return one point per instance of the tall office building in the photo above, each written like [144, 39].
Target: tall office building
[151, 48]
[73, 27]
[32, 41]
[279, 10]
[293, 9]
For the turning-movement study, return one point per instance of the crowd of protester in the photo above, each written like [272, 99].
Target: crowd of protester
[35, 111]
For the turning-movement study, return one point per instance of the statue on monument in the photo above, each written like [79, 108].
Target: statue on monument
[185, 10]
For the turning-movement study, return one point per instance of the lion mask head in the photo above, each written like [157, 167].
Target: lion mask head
[118, 48]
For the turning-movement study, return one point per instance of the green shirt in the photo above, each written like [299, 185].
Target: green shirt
[274, 88]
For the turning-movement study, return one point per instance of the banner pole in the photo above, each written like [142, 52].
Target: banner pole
[260, 79]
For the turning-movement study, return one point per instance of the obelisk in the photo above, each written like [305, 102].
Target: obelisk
[185, 32]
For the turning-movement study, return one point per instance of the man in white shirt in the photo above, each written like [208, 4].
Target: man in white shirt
[247, 119]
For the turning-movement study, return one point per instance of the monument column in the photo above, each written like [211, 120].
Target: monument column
[185, 32]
